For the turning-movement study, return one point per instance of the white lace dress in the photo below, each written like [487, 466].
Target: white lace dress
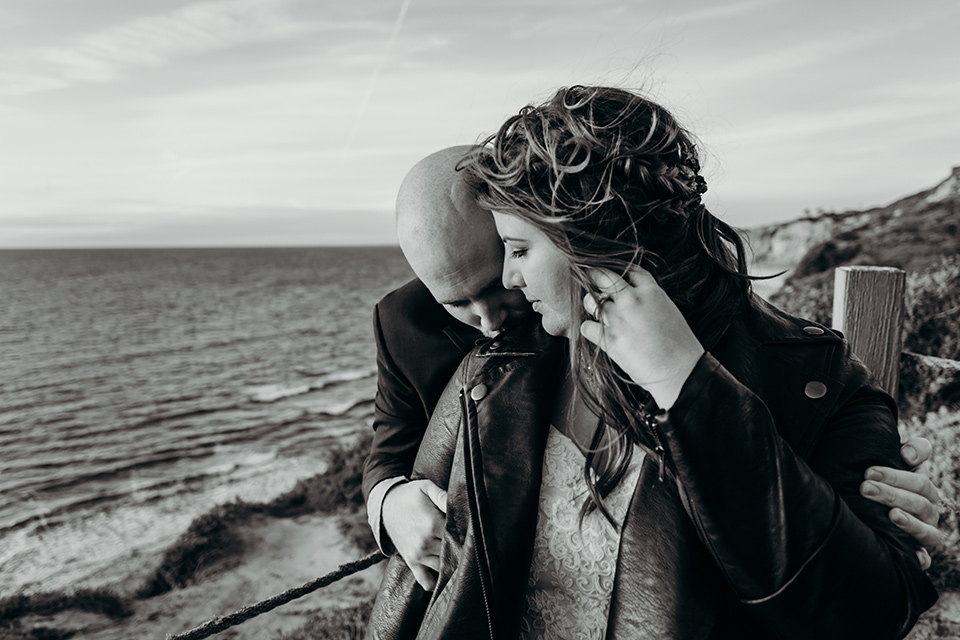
[571, 578]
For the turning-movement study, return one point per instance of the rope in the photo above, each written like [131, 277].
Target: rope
[221, 623]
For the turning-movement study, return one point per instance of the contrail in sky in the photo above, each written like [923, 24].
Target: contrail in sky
[376, 73]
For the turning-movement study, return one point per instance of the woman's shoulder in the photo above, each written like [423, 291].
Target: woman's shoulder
[769, 324]
[798, 367]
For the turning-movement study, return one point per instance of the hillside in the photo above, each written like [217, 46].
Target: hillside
[919, 234]
[927, 221]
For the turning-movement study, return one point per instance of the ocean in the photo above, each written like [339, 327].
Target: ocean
[139, 388]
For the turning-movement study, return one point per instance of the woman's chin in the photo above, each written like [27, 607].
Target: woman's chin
[555, 328]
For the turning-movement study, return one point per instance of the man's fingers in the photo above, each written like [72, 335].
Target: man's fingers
[437, 495]
[910, 502]
[924, 558]
[926, 535]
[915, 451]
[425, 578]
[431, 559]
[908, 480]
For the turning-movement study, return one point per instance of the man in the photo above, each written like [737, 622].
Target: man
[425, 328]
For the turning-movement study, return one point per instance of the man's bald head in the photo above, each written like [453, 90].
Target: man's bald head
[452, 244]
[434, 203]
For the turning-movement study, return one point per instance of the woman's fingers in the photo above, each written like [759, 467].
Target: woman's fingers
[593, 332]
[606, 281]
[611, 283]
[591, 304]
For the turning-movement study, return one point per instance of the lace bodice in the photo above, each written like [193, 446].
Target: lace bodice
[571, 577]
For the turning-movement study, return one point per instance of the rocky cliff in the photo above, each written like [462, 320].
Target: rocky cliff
[927, 221]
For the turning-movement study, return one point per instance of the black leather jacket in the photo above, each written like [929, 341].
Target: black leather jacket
[757, 531]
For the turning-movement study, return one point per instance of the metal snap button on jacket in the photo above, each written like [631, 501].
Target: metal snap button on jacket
[814, 389]
[478, 391]
[813, 331]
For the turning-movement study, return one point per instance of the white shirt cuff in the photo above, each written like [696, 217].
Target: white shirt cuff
[375, 509]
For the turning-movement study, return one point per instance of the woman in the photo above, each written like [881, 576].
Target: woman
[722, 440]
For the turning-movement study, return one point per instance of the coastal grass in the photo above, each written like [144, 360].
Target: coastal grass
[349, 623]
[213, 537]
[931, 305]
[209, 539]
[336, 489]
[102, 601]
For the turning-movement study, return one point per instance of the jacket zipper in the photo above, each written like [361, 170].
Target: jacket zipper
[474, 502]
[650, 422]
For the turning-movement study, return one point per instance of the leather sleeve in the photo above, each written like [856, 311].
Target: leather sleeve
[399, 419]
[804, 553]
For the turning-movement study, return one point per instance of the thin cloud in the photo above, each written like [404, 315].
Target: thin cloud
[779, 59]
[801, 126]
[152, 41]
[718, 13]
[372, 84]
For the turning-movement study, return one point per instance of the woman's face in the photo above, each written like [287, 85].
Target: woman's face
[533, 264]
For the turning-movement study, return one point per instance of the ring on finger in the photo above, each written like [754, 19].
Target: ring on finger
[600, 299]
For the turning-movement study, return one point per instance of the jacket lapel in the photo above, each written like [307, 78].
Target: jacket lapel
[508, 403]
[659, 549]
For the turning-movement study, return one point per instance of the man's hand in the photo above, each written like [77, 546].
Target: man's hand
[413, 514]
[912, 497]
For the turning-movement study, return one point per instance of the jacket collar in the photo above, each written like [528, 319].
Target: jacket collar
[461, 335]
[526, 338]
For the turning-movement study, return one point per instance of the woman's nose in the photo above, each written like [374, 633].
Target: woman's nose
[512, 278]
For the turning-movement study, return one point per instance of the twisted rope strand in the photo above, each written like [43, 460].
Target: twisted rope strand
[222, 623]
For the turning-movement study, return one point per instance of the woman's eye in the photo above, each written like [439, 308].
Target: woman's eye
[517, 253]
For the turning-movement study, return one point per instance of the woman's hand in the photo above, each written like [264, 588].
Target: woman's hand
[643, 331]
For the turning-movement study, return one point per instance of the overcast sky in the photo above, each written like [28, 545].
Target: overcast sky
[273, 122]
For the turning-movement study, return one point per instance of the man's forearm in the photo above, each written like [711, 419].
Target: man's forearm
[375, 512]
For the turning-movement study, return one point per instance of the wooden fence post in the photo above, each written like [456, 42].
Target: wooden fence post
[868, 309]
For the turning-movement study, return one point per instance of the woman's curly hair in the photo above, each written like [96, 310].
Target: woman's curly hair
[614, 181]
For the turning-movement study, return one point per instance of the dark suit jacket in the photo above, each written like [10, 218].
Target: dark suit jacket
[419, 346]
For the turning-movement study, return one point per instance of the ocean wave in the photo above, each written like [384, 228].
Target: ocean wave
[182, 414]
[273, 392]
[160, 458]
[345, 376]
[335, 409]
[142, 491]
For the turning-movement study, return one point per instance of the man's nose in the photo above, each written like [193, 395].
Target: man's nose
[492, 316]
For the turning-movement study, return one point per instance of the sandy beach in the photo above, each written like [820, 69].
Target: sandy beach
[279, 553]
